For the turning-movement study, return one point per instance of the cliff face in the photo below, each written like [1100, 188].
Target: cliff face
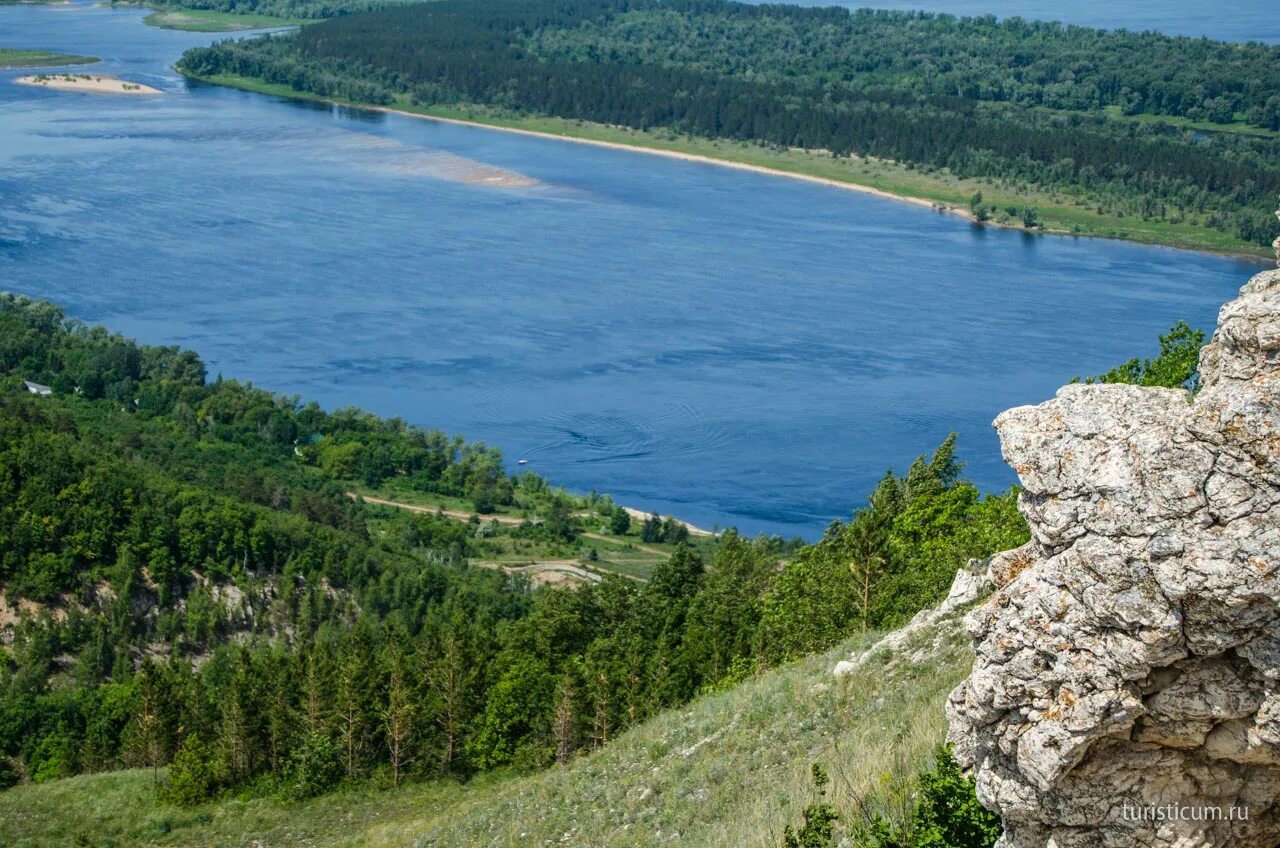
[1130, 657]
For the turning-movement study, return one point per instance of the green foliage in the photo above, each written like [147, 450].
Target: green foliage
[619, 521]
[309, 639]
[819, 818]
[947, 813]
[195, 775]
[1177, 366]
[314, 767]
[896, 556]
[513, 727]
[10, 772]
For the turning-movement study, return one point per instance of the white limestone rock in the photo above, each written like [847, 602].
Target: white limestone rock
[1130, 658]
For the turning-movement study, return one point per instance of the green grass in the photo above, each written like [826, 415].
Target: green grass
[1237, 127]
[203, 20]
[1059, 213]
[626, 555]
[10, 58]
[728, 771]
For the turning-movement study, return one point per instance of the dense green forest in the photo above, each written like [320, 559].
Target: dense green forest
[1121, 122]
[186, 582]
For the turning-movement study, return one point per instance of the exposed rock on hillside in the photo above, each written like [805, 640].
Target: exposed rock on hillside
[1130, 658]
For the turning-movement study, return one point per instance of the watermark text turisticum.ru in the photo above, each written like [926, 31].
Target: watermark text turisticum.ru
[1181, 812]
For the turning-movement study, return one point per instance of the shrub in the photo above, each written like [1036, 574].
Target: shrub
[314, 767]
[947, 813]
[819, 818]
[194, 774]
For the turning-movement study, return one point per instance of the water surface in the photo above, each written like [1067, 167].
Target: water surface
[1233, 20]
[735, 348]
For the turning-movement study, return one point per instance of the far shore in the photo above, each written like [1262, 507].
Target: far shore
[1079, 227]
[89, 83]
[686, 157]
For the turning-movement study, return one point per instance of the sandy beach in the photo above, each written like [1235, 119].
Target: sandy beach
[687, 157]
[90, 83]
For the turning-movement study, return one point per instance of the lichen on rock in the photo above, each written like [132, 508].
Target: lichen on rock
[1126, 685]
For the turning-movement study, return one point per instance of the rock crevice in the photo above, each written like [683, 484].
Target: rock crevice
[1126, 688]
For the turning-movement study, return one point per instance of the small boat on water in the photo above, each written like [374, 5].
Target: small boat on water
[522, 462]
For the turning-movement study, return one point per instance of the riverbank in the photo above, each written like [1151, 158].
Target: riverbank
[87, 83]
[937, 189]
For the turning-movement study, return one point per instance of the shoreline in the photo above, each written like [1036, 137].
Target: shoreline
[1260, 254]
[682, 156]
[923, 202]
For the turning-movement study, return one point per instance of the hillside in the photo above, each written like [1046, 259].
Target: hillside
[728, 770]
[274, 601]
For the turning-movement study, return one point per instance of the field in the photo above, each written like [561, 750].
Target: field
[730, 769]
[203, 20]
[1058, 213]
[595, 551]
[10, 58]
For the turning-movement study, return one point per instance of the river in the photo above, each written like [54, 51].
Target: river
[738, 349]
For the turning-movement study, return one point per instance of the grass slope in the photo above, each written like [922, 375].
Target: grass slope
[728, 770]
[204, 20]
[1059, 213]
[10, 58]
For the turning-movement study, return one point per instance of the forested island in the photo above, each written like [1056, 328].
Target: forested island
[13, 58]
[1040, 125]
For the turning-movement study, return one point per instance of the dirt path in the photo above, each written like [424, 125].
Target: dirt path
[457, 514]
[637, 545]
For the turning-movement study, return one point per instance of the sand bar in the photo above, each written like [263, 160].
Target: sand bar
[90, 83]
[687, 157]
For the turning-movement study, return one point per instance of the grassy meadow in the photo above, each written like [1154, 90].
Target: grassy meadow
[205, 20]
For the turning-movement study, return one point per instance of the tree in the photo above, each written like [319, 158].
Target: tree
[678, 576]
[448, 662]
[349, 714]
[651, 530]
[619, 521]
[144, 737]
[194, 776]
[564, 724]
[866, 537]
[399, 712]
[1177, 366]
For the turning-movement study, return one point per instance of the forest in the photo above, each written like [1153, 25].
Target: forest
[186, 583]
[1141, 124]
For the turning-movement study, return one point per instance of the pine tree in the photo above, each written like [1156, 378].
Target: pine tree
[399, 713]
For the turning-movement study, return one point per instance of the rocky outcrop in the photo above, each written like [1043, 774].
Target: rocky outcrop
[1126, 688]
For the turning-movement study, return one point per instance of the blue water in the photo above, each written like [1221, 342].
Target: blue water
[1232, 20]
[734, 348]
